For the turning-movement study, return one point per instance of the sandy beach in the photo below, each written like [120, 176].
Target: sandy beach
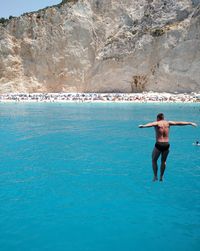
[144, 97]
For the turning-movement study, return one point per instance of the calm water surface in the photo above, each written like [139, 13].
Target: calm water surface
[78, 177]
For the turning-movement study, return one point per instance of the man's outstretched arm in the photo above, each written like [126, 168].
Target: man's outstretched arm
[181, 123]
[148, 125]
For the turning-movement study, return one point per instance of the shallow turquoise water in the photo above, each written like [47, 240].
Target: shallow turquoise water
[78, 177]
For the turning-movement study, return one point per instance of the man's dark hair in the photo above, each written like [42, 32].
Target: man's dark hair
[160, 116]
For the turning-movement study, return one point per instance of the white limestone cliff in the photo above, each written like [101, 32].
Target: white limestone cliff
[103, 46]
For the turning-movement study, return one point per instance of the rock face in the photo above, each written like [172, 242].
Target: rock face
[103, 46]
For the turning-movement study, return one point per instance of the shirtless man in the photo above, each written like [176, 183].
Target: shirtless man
[162, 141]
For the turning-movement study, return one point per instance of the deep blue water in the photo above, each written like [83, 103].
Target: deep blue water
[78, 177]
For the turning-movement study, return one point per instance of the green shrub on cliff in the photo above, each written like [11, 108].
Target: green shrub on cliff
[157, 32]
[3, 20]
[66, 1]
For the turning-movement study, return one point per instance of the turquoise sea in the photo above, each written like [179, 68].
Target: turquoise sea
[78, 177]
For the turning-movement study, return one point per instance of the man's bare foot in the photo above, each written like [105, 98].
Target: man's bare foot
[161, 179]
[155, 179]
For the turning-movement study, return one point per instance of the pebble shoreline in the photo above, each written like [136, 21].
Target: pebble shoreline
[144, 97]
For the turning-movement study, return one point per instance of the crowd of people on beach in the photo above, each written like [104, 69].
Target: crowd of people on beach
[100, 97]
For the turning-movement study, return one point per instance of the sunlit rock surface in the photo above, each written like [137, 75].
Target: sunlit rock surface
[103, 46]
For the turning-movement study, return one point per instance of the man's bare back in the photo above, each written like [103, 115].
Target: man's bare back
[162, 131]
[162, 141]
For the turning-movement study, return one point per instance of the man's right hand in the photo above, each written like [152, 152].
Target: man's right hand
[140, 126]
[194, 124]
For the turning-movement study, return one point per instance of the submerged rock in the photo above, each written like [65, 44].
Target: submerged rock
[103, 46]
